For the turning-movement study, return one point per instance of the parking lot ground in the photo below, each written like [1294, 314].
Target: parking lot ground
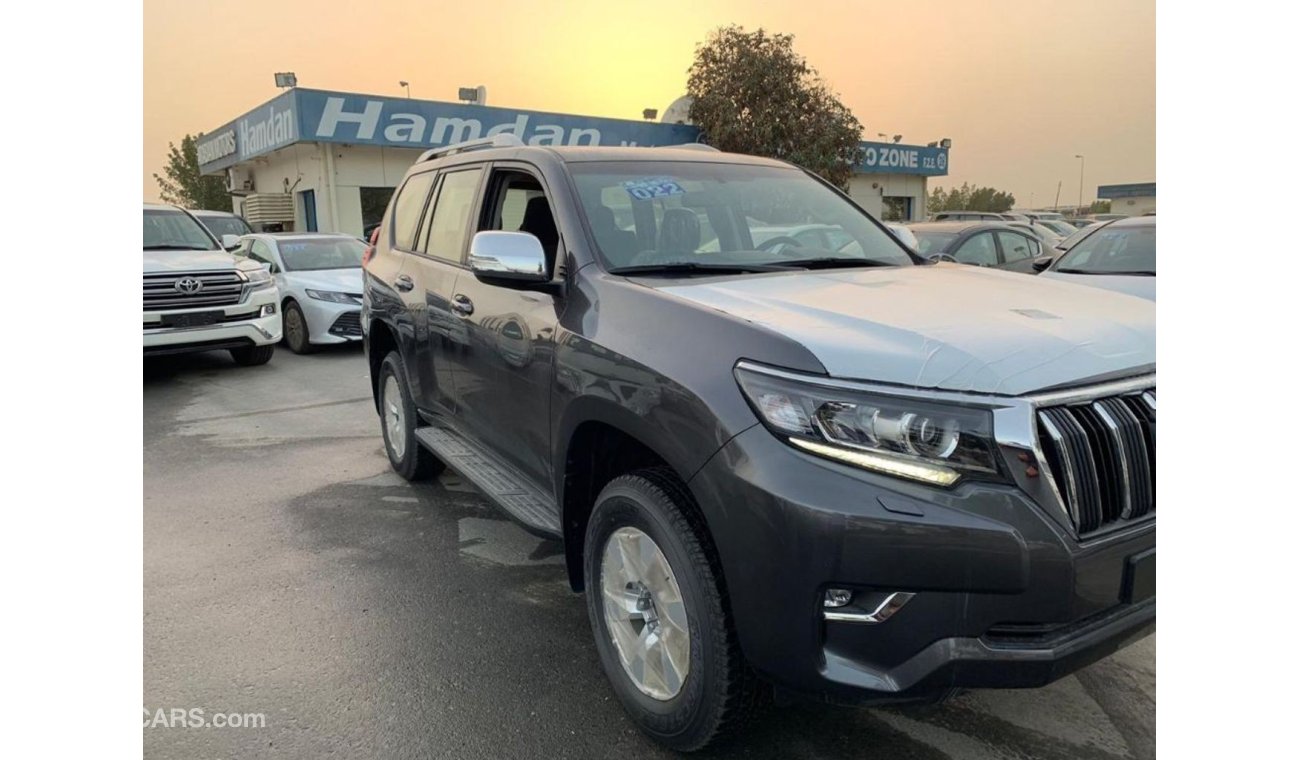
[289, 573]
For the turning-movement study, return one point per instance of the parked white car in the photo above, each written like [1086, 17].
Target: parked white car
[319, 278]
[198, 296]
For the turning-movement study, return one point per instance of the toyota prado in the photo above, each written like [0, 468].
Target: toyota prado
[814, 464]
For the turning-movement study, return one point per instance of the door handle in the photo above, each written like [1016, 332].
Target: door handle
[404, 283]
[462, 305]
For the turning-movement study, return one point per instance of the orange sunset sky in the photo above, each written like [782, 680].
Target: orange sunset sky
[1020, 86]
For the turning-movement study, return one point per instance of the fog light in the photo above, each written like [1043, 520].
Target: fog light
[837, 597]
[268, 309]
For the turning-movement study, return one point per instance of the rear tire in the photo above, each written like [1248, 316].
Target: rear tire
[397, 421]
[297, 336]
[719, 691]
[252, 356]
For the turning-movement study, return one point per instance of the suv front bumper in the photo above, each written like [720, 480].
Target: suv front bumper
[1003, 596]
[243, 325]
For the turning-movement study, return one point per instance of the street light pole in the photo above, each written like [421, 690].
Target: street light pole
[1080, 181]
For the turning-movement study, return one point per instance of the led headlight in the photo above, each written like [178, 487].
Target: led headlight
[330, 295]
[910, 438]
[258, 278]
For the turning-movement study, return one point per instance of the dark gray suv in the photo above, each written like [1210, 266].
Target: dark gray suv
[815, 464]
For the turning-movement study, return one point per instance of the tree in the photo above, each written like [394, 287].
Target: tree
[967, 198]
[1099, 207]
[184, 186]
[751, 93]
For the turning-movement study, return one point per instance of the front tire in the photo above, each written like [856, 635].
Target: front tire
[397, 415]
[252, 356]
[659, 614]
[297, 336]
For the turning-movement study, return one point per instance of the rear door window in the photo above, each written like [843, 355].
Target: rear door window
[979, 250]
[450, 217]
[1016, 247]
[408, 208]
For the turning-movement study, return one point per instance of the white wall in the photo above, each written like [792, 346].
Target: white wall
[869, 190]
[1133, 206]
[301, 167]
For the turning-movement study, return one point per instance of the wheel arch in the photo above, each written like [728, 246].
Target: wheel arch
[380, 339]
[599, 442]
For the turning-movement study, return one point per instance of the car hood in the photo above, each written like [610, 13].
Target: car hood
[946, 326]
[1140, 286]
[340, 280]
[187, 261]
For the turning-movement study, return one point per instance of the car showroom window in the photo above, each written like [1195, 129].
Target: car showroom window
[449, 224]
[1015, 246]
[978, 250]
[407, 209]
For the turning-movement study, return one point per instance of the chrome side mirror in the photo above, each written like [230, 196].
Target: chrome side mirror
[1043, 262]
[511, 256]
[230, 242]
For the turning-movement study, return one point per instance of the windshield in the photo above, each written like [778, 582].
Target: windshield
[225, 225]
[173, 229]
[1077, 235]
[720, 215]
[1058, 226]
[321, 253]
[928, 243]
[1113, 250]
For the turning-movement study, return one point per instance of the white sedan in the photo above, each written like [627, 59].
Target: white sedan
[319, 278]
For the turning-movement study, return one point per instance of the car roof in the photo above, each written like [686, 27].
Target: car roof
[162, 207]
[958, 226]
[572, 154]
[206, 212]
[1133, 221]
[304, 235]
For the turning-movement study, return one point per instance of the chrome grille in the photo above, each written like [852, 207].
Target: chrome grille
[221, 288]
[1102, 458]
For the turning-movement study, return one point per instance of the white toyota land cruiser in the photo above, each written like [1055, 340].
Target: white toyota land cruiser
[200, 297]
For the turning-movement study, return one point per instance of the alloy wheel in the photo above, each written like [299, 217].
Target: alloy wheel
[645, 614]
[393, 420]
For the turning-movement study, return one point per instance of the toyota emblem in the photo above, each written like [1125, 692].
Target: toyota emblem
[189, 285]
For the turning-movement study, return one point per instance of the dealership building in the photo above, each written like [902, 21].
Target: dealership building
[1133, 199]
[329, 161]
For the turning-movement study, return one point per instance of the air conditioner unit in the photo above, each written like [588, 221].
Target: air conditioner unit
[268, 208]
[239, 180]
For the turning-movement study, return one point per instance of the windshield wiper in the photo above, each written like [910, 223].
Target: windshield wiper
[1133, 273]
[691, 267]
[836, 262]
[177, 248]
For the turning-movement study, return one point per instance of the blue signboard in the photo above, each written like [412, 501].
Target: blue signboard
[270, 126]
[403, 123]
[1137, 190]
[302, 115]
[893, 158]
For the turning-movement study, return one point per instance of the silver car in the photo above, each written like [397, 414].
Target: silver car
[1120, 256]
[319, 277]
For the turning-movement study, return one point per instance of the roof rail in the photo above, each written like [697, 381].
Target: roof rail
[495, 141]
[697, 146]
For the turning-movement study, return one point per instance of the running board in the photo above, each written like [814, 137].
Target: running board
[523, 501]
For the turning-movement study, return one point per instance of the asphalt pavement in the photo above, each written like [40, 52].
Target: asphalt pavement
[290, 574]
